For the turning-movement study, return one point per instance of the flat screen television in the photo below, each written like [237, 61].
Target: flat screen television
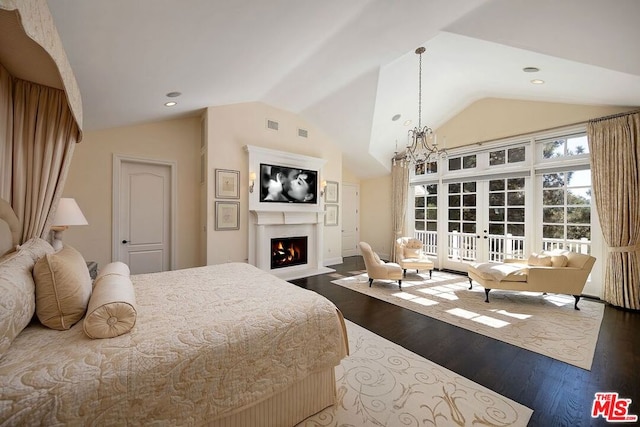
[282, 184]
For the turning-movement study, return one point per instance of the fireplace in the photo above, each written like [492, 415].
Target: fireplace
[288, 251]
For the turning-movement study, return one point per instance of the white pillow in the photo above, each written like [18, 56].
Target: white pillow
[112, 307]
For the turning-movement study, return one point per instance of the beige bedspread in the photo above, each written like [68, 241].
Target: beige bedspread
[207, 341]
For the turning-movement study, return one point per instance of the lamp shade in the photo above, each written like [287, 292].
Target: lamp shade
[68, 213]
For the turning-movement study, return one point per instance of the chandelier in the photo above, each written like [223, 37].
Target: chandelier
[422, 146]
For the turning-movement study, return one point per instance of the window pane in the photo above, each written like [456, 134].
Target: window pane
[432, 214]
[575, 232]
[579, 196]
[496, 158]
[419, 225]
[454, 226]
[432, 201]
[579, 179]
[553, 149]
[432, 188]
[515, 215]
[469, 187]
[418, 190]
[553, 215]
[553, 197]
[469, 162]
[515, 198]
[469, 200]
[550, 180]
[454, 214]
[432, 167]
[419, 202]
[496, 229]
[469, 214]
[419, 169]
[455, 164]
[454, 201]
[515, 184]
[515, 229]
[516, 155]
[579, 215]
[419, 214]
[496, 185]
[432, 226]
[454, 188]
[553, 231]
[496, 214]
[577, 145]
[496, 199]
[469, 227]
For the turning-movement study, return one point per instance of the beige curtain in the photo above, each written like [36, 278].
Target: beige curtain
[399, 192]
[6, 133]
[44, 136]
[614, 146]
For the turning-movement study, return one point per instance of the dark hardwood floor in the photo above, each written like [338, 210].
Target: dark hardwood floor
[559, 394]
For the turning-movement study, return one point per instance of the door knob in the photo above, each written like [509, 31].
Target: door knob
[124, 242]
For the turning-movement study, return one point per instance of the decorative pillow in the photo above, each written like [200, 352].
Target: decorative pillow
[112, 307]
[63, 288]
[17, 295]
[412, 252]
[117, 267]
[539, 260]
[559, 261]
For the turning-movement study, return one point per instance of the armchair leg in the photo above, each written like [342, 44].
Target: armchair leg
[400, 284]
[404, 273]
[470, 283]
[577, 297]
[370, 281]
[430, 274]
[486, 292]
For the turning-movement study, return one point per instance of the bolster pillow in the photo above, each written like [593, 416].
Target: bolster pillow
[112, 307]
[117, 267]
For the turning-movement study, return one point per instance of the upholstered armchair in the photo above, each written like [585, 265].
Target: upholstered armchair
[409, 255]
[378, 269]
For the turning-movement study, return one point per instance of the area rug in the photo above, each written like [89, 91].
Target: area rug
[545, 324]
[383, 384]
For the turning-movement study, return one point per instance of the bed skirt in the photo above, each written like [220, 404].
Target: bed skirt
[289, 407]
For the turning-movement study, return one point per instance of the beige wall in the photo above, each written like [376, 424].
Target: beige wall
[229, 129]
[90, 183]
[484, 120]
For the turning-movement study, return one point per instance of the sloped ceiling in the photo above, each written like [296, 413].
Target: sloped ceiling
[346, 66]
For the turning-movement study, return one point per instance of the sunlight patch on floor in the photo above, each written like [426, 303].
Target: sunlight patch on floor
[520, 316]
[440, 294]
[413, 298]
[475, 317]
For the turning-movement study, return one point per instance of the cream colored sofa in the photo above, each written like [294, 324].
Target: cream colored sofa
[560, 272]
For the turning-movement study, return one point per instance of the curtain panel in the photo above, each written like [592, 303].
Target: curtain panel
[44, 137]
[614, 146]
[6, 133]
[399, 194]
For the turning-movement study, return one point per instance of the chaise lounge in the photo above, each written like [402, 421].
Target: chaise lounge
[562, 272]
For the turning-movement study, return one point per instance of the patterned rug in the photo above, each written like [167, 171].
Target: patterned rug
[545, 324]
[383, 384]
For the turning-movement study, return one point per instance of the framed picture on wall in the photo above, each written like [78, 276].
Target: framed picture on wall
[331, 192]
[330, 215]
[227, 215]
[227, 184]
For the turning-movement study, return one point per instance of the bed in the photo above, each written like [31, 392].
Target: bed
[226, 345]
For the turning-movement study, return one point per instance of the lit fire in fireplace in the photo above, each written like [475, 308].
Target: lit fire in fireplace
[288, 251]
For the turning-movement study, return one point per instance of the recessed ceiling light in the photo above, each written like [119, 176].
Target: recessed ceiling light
[407, 122]
[170, 104]
[396, 117]
[537, 82]
[531, 69]
[174, 94]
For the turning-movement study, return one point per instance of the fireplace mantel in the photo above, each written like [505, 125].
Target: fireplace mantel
[287, 217]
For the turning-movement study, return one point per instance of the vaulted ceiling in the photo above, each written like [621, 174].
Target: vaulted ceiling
[346, 66]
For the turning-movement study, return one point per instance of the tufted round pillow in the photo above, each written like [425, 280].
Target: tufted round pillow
[112, 307]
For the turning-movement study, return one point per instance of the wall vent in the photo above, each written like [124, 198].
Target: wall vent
[272, 124]
[303, 133]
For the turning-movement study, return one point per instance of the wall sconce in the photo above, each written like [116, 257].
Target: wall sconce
[323, 184]
[252, 181]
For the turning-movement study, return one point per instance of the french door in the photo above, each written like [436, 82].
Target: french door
[485, 220]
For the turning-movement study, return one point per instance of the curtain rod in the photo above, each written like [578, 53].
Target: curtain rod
[583, 122]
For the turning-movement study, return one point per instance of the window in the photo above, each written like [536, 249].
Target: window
[566, 210]
[426, 207]
[574, 145]
[511, 155]
[463, 162]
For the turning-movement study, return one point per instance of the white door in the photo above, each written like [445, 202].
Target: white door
[143, 220]
[350, 220]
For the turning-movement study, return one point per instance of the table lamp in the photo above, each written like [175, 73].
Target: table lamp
[68, 213]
